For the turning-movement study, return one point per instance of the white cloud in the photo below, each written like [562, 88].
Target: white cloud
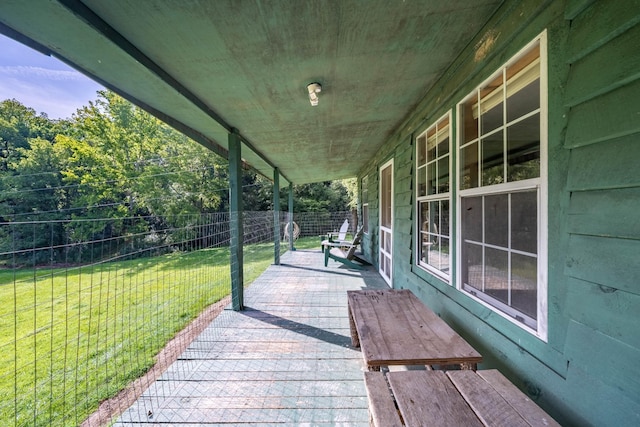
[40, 73]
[58, 93]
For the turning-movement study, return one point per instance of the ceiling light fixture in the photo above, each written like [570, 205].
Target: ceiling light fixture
[314, 89]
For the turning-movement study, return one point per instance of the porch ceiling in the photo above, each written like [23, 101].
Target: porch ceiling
[208, 66]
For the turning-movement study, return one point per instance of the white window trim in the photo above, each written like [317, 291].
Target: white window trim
[435, 197]
[542, 183]
[365, 181]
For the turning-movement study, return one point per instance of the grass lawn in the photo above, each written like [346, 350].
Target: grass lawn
[72, 337]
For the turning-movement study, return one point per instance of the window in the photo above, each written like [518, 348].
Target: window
[432, 185]
[364, 192]
[502, 189]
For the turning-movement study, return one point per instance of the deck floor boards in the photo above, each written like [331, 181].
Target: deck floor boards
[286, 360]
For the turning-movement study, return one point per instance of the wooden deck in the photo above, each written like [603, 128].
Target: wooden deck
[286, 360]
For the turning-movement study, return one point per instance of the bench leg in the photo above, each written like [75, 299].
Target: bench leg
[355, 341]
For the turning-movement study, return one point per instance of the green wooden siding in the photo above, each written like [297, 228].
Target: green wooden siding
[587, 373]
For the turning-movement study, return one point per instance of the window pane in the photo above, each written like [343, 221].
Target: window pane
[496, 210]
[493, 159]
[496, 274]
[524, 289]
[472, 265]
[444, 218]
[431, 178]
[433, 255]
[385, 198]
[422, 150]
[431, 221]
[443, 175]
[523, 149]
[422, 181]
[524, 221]
[469, 121]
[365, 189]
[524, 101]
[444, 255]
[443, 146]
[469, 162]
[425, 214]
[472, 219]
[523, 85]
[438, 255]
[424, 230]
[491, 106]
[431, 144]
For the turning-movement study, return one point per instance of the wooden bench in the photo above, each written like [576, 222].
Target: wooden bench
[452, 398]
[393, 327]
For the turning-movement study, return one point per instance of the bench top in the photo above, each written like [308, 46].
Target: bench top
[469, 398]
[395, 328]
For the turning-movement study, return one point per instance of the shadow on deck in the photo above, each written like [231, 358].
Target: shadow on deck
[287, 359]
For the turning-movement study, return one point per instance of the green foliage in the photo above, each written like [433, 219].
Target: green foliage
[328, 196]
[18, 124]
[112, 163]
[122, 172]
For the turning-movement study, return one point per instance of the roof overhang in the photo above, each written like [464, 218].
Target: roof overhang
[209, 67]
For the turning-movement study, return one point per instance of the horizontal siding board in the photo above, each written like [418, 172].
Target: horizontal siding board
[602, 358]
[612, 65]
[614, 114]
[614, 314]
[611, 263]
[600, 23]
[611, 213]
[613, 164]
[574, 7]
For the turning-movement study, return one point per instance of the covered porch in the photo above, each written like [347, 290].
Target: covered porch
[286, 359]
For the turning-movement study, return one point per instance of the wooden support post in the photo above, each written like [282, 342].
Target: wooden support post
[291, 231]
[235, 220]
[276, 216]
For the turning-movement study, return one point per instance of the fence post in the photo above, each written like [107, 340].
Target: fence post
[235, 220]
[276, 216]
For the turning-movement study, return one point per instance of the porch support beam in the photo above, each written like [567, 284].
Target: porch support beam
[235, 220]
[291, 247]
[276, 216]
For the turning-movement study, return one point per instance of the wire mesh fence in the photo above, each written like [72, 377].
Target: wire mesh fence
[87, 304]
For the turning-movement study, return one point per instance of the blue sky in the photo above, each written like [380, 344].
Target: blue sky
[41, 82]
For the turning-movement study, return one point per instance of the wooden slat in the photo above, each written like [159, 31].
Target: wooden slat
[485, 401]
[381, 405]
[614, 263]
[606, 213]
[574, 7]
[604, 118]
[527, 409]
[613, 65]
[605, 166]
[616, 312]
[428, 398]
[395, 328]
[585, 36]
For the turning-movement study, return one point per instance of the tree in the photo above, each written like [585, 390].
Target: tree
[18, 124]
[328, 196]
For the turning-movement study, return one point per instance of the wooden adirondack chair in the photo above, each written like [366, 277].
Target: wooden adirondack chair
[333, 237]
[345, 252]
